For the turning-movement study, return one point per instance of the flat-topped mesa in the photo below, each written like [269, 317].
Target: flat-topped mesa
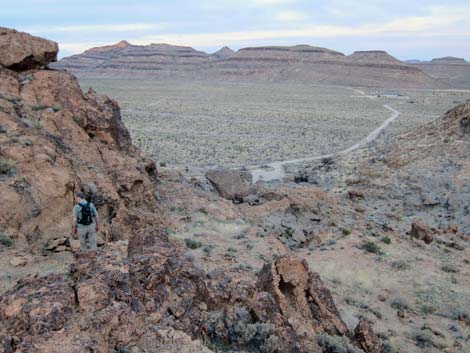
[450, 60]
[21, 51]
[373, 57]
[291, 53]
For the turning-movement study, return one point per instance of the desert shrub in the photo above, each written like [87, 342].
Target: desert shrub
[2, 129]
[260, 336]
[399, 304]
[428, 309]
[424, 339]
[5, 240]
[39, 107]
[387, 347]
[371, 247]
[400, 265]
[336, 344]
[449, 269]
[207, 249]
[345, 231]
[386, 239]
[461, 315]
[7, 167]
[330, 242]
[192, 244]
[32, 123]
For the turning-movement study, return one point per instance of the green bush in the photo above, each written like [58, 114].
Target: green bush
[386, 239]
[5, 240]
[7, 167]
[260, 336]
[345, 231]
[371, 247]
[336, 344]
[192, 244]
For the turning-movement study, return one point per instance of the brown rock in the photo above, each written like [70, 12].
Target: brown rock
[366, 338]
[21, 51]
[230, 184]
[18, 261]
[421, 231]
[355, 194]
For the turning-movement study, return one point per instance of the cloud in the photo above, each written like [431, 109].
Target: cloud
[130, 27]
[440, 21]
[290, 16]
[273, 2]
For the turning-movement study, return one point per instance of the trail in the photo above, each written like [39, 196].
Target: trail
[275, 170]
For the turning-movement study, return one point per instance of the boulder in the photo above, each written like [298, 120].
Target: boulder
[421, 231]
[21, 51]
[366, 338]
[18, 261]
[230, 184]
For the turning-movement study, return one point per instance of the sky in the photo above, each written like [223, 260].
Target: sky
[418, 29]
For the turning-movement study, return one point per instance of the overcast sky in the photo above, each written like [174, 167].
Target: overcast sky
[416, 29]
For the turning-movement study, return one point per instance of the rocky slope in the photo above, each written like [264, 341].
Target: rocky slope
[301, 63]
[142, 294]
[450, 70]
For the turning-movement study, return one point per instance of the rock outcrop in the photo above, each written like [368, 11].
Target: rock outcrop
[22, 51]
[57, 140]
[113, 302]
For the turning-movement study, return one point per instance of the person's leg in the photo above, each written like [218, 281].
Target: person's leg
[82, 236]
[92, 237]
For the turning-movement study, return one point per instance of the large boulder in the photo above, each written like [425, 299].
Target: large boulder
[421, 231]
[231, 184]
[21, 51]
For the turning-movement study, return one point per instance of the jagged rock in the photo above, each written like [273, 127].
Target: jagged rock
[81, 141]
[230, 184]
[421, 231]
[21, 51]
[110, 300]
[366, 338]
[300, 297]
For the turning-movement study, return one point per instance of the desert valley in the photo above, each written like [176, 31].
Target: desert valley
[282, 199]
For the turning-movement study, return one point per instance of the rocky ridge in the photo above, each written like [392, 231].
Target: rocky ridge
[300, 63]
[140, 292]
[450, 70]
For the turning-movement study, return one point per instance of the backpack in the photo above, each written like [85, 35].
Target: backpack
[87, 215]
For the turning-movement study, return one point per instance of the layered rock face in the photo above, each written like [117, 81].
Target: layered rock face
[145, 296]
[449, 70]
[56, 140]
[300, 63]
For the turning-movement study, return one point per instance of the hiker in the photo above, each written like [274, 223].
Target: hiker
[86, 222]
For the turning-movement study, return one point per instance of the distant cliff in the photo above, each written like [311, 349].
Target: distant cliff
[300, 63]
